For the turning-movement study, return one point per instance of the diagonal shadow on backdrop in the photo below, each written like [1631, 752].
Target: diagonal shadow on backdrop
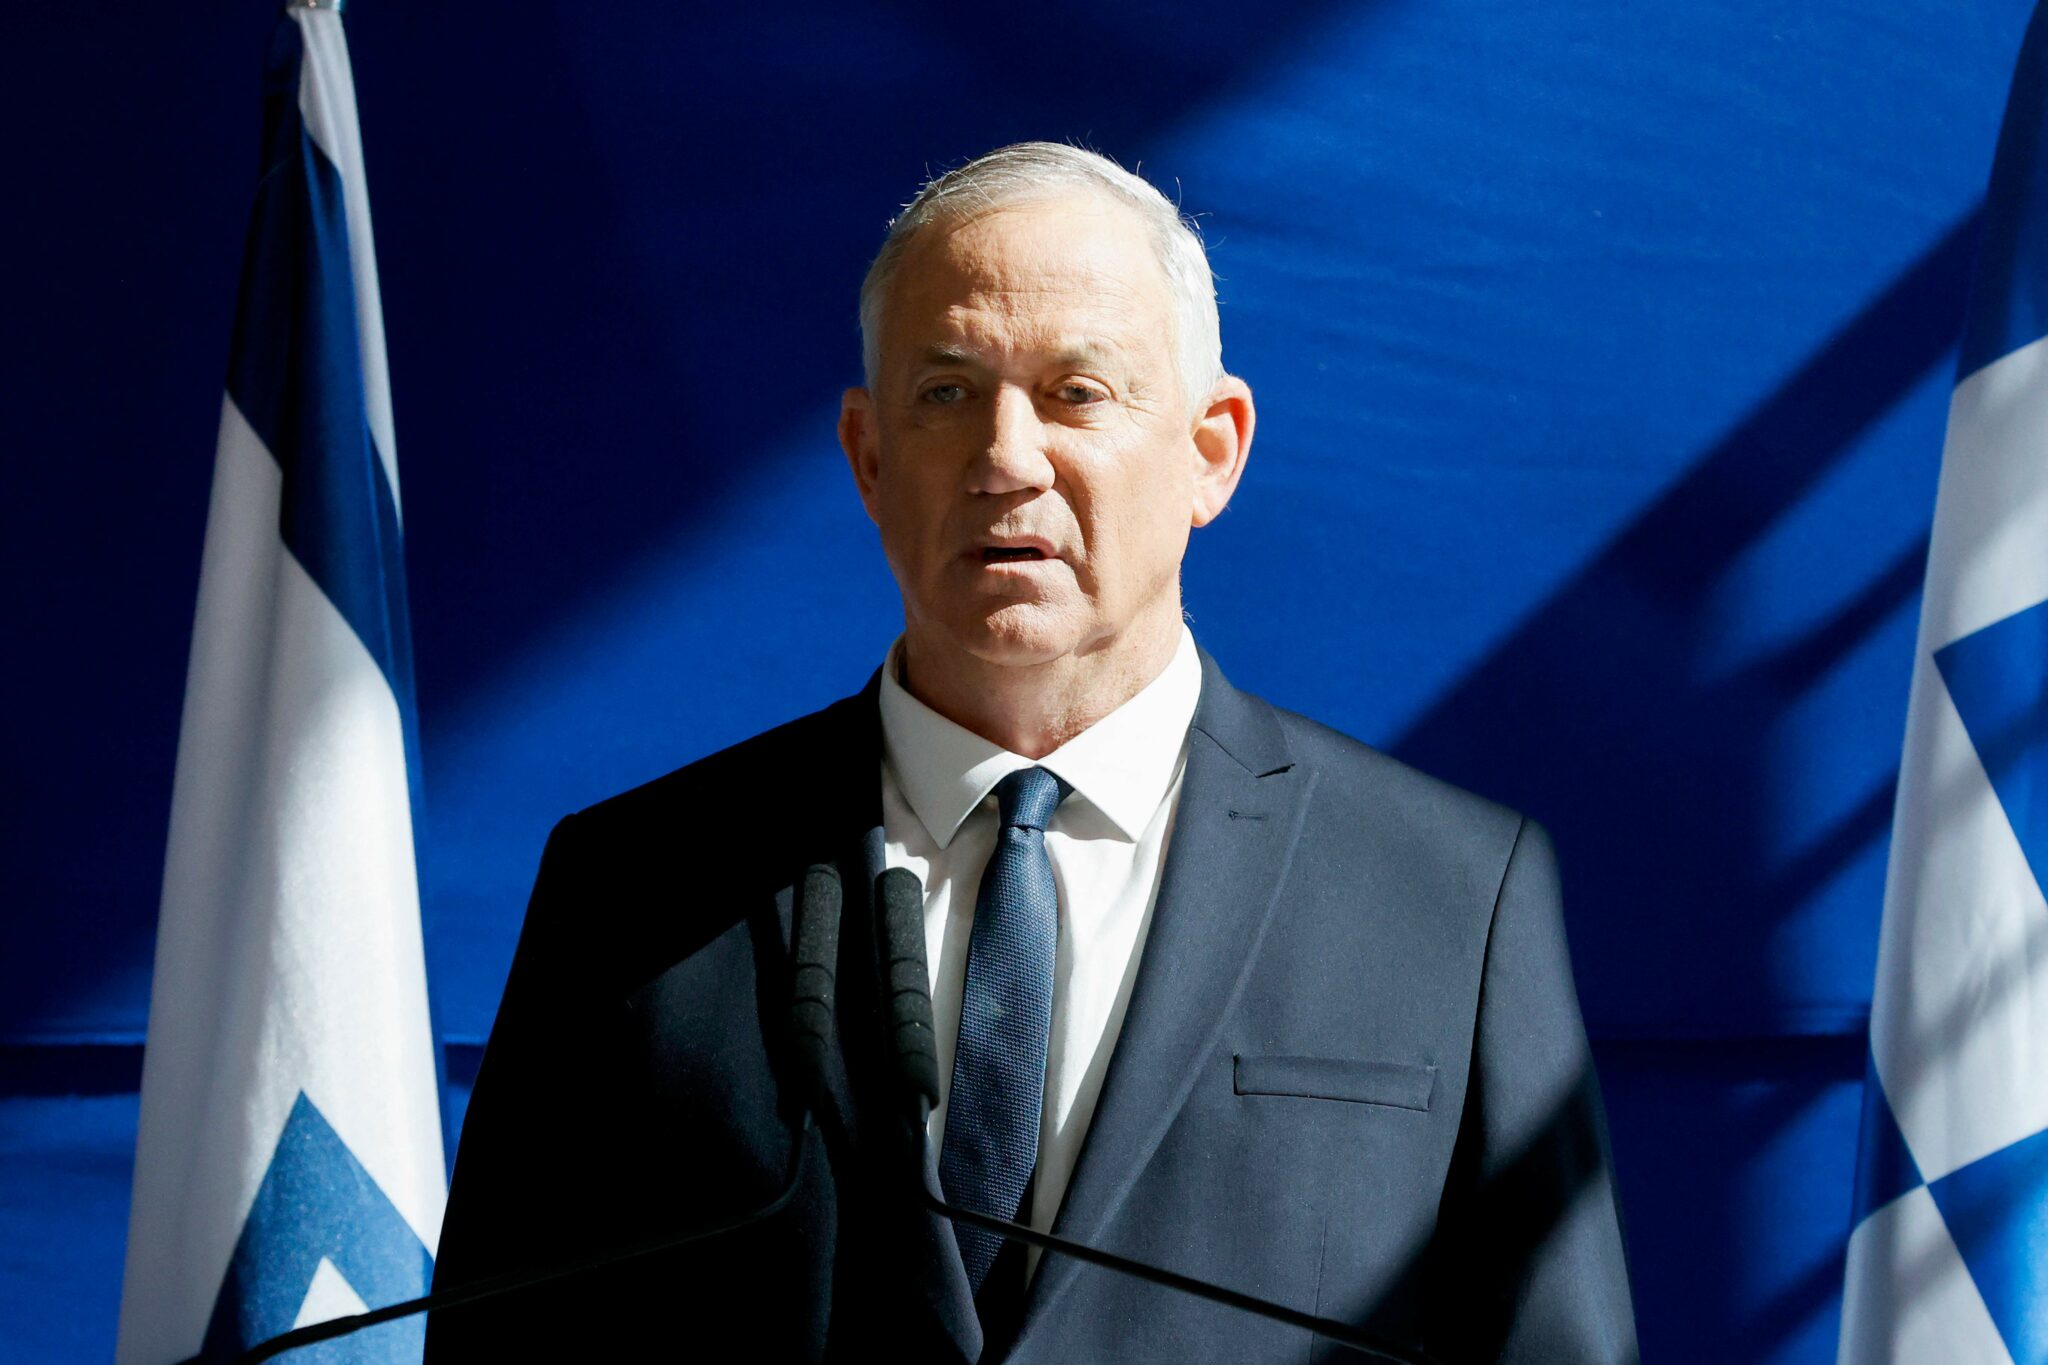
[699, 268]
[1594, 715]
[607, 304]
[1702, 1136]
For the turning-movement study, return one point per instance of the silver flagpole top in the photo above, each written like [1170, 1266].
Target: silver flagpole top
[334, 5]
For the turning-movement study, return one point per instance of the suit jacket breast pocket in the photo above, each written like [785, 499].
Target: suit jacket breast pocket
[1397, 1085]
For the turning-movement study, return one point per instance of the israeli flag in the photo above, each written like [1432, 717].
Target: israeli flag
[1948, 1261]
[289, 1166]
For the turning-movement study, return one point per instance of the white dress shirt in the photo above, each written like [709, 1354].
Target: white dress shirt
[1107, 842]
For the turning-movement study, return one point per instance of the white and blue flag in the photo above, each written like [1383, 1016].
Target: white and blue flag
[1948, 1259]
[289, 1166]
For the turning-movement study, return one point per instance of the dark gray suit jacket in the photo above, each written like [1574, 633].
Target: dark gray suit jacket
[1352, 1078]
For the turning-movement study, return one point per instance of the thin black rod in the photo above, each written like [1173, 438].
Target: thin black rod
[512, 1281]
[1323, 1327]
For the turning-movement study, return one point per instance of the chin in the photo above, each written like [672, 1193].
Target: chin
[1021, 634]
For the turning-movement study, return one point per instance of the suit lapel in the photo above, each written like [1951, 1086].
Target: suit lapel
[1241, 805]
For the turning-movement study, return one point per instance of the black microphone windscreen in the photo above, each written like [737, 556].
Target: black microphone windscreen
[814, 962]
[909, 982]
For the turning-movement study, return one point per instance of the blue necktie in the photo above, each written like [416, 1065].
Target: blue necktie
[998, 1086]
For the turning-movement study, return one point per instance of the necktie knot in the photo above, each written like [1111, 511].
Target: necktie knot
[1027, 798]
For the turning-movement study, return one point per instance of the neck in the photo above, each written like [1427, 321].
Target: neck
[1032, 709]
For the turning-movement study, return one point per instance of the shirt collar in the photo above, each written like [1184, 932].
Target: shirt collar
[1123, 764]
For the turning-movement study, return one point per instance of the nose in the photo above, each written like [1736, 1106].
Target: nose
[1013, 458]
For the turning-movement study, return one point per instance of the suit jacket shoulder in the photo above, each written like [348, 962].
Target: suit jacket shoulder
[1432, 830]
[633, 883]
[769, 776]
[1431, 800]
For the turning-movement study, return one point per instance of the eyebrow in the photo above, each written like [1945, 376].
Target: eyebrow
[1089, 351]
[1083, 352]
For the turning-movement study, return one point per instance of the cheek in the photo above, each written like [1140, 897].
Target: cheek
[1136, 511]
[910, 507]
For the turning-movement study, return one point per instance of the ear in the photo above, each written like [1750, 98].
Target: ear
[861, 441]
[1222, 441]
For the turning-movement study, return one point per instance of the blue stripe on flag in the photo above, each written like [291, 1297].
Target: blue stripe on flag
[1998, 679]
[1885, 1168]
[2009, 304]
[317, 1203]
[1996, 1209]
[296, 374]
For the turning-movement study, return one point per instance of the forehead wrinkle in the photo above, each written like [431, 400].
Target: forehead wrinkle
[1030, 270]
[1073, 302]
[1066, 278]
[1075, 322]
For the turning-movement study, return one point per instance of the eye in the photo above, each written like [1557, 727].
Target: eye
[945, 394]
[1075, 392]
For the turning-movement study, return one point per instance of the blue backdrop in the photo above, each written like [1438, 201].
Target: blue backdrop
[1601, 351]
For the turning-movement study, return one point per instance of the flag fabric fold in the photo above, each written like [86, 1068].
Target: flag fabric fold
[1948, 1255]
[289, 1165]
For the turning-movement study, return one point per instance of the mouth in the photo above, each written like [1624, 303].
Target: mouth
[1013, 550]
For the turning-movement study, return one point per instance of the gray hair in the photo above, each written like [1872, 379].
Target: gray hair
[1025, 171]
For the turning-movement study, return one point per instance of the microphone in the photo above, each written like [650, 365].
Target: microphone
[901, 899]
[814, 960]
[907, 984]
[814, 938]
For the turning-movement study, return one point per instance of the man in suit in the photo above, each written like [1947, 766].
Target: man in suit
[1216, 988]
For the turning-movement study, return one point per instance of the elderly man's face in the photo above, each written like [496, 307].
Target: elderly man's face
[1027, 452]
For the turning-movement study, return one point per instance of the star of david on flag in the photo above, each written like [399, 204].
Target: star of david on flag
[1948, 1258]
[289, 1166]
